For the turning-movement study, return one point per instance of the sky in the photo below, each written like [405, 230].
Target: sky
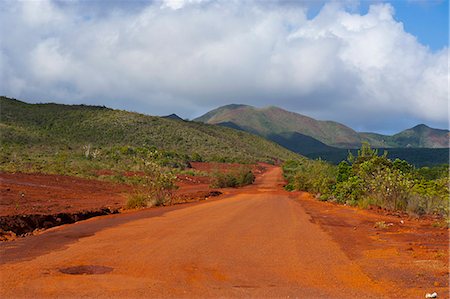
[379, 66]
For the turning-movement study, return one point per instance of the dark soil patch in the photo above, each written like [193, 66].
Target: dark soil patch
[23, 224]
[196, 196]
[86, 270]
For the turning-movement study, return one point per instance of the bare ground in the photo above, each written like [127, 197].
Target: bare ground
[256, 241]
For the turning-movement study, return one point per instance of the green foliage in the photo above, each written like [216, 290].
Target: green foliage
[349, 190]
[311, 176]
[371, 179]
[344, 171]
[402, 166]
[433, 173]
[154, 187]
[390, 188]
[196, 157]
[431, 196]
[237, 178]
[158, 182]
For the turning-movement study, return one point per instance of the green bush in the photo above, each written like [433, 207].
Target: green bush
[153, 188]
[237, 178]
[313, 176]
[159, 183]
[390, 188]
[351, 189]
[431, 196]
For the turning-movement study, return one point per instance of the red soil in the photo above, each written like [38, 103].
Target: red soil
[258, 241]
[25, 194]
[391, 246]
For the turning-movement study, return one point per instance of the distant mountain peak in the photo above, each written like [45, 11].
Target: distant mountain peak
[172, 116]
[235, 106]
[420, 127]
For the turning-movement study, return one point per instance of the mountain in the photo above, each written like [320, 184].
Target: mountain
[292, 130]
[172, 116]
[420, 136]
[50, 127]
[271, 121]
[297, 142]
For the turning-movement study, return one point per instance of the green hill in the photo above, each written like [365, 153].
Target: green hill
[272, 121]
[283, 127]
[52, 128]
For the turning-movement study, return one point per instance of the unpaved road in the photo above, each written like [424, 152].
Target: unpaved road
[258, 242]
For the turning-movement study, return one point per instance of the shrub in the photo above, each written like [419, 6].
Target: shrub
[237, 178]
[351, 189]
[390, 188]
[154, 188]
[223, 180]
[137, 200]
[344, 172]
[314, 176]
[431, 196]
[246, 177]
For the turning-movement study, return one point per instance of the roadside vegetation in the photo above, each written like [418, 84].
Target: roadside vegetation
[154, 187]
[115, 163]
[236, 178]
[372, 179]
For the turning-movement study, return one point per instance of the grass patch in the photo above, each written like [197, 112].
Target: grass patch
[137, 200]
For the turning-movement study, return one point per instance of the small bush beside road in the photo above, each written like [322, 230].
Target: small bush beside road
[235, 178]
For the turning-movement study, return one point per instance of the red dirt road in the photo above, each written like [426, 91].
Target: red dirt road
[255, 242]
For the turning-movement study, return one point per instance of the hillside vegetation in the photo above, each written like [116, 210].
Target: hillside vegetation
[47, 136]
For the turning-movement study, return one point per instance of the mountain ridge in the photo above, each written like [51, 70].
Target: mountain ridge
[274, 122]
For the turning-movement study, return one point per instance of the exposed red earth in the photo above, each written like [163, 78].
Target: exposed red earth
[45, 194]
[256, 241]
[38, 201]
[24, 194]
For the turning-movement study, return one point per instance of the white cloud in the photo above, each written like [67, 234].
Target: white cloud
[191, 55]
[177, 4]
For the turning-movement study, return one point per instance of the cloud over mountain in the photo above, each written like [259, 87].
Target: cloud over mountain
[186, 57]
